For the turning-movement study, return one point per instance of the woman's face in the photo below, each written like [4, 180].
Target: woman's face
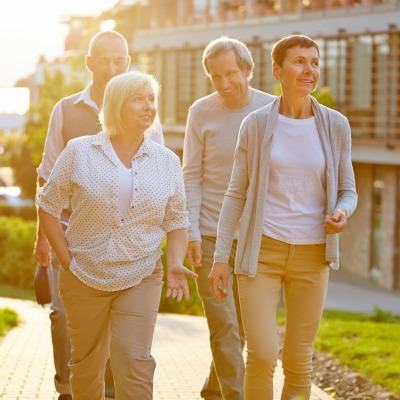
[299, 72]
[138, 112]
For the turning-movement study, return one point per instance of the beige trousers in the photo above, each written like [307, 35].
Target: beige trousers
[118, 324]
[304, 273]
[226, 377]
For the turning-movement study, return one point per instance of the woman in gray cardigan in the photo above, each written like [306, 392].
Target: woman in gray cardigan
[292, 188]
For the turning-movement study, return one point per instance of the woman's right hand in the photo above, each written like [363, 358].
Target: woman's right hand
[177, 281]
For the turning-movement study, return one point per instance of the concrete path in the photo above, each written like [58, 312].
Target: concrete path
[180, 347]
[351, 293]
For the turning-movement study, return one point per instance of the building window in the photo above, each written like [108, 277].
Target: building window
[184, 86]
[201, 80]
[158, 73]
[170, 87]
[361, 72]
[145, 62]
[335, 69]
[397, 239]
[378, 185]
[256, 55]
[269, 84]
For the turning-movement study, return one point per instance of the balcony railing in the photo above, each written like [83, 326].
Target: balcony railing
[170, 13]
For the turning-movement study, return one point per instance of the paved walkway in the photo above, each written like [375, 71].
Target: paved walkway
[180, 348]
[351, 293]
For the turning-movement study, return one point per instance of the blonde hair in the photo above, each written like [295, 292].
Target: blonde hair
[119, 89]
[223, 44]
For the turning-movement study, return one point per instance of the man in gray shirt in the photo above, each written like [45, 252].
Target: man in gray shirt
[211, 135]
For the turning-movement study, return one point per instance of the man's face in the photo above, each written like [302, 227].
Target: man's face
[108, 59]
[229, 80]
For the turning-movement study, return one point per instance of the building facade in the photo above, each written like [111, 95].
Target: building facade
[360, 64]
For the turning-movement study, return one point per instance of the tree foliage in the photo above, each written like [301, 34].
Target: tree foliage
[27, 157]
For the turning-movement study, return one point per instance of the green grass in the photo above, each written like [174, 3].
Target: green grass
[362, 342]
[8, 319]
[16, 293]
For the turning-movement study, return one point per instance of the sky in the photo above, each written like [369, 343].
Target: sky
[30, 28]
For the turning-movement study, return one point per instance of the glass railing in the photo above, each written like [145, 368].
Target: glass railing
[231, 10]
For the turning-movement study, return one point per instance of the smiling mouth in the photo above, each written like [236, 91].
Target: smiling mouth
[228, 91]
[305, 80]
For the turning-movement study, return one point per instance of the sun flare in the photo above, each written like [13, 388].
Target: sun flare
[14, 100]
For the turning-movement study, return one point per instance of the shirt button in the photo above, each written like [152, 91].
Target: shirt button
[122, 220]
[135, 173]
[136, 189]
[133, 207]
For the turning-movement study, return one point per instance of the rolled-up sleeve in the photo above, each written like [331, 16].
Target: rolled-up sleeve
[54, 195]
[176, 216]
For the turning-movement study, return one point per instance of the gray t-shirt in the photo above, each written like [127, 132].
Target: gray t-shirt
[211, 136]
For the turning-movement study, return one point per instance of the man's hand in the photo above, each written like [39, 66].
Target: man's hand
[177, 281]
[42, 250]
[336, 222]
[220, 271]
[194, 253]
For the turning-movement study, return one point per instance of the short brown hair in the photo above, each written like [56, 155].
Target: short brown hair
[280, 49]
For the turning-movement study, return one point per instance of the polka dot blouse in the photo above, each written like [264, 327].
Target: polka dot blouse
[111, 253]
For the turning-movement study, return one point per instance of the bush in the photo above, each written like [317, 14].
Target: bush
[25, 212]
[381, 315]
[8, 319]
[17, 263]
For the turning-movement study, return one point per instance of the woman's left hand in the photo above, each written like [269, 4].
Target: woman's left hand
[177, 282]
[336, 222]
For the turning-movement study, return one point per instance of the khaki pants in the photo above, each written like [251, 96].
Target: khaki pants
[124, 319]
[304, 272]
[226, 377]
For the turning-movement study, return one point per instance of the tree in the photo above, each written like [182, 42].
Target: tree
[27, 157]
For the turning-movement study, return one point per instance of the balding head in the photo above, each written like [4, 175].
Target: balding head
[108, 57]
[95, 43]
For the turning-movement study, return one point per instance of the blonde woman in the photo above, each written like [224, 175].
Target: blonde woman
[127, 193]
[292, 187]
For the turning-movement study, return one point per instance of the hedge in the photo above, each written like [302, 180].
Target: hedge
[25, 212]
[17, 264]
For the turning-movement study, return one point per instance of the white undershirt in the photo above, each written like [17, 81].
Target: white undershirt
[296, 198]
[125, 185]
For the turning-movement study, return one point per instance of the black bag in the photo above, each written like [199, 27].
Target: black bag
[43, 284]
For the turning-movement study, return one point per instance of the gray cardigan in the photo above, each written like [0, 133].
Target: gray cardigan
[247, 192]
